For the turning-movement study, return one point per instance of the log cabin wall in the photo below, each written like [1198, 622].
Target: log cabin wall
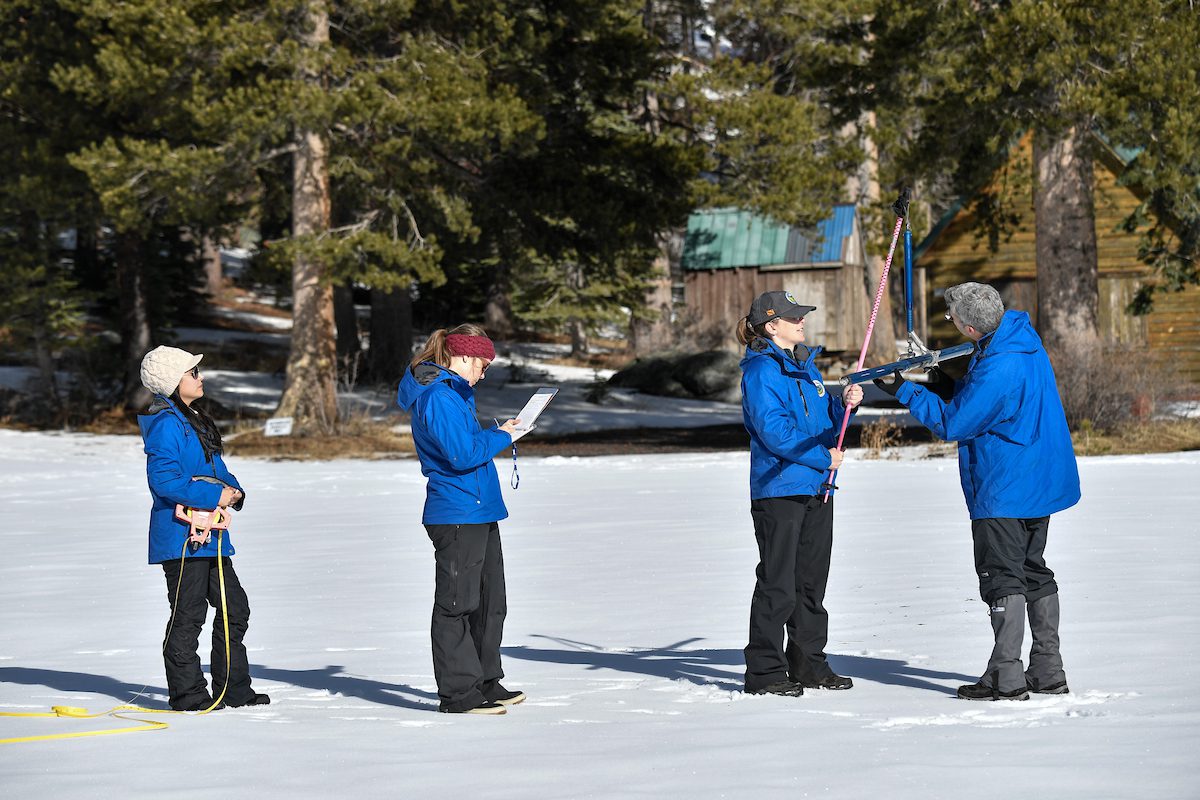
[955, 253]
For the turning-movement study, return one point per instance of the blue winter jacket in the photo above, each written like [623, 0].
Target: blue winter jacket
[456, 453]
[792, 420]
[1015, 457]
[173, 457]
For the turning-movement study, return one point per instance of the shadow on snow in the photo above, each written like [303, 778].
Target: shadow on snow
[710, 667]
[329, 679]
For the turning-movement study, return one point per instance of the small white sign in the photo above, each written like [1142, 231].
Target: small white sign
[278, 426]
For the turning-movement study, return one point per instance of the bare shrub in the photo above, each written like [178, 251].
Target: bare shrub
[878, 436]
[1109, 385]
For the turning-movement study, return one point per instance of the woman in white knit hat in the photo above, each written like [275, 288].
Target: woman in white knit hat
[184, 467]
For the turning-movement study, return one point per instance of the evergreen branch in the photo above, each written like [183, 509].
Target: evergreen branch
[287, 149]
[355, 227]
[412, 224]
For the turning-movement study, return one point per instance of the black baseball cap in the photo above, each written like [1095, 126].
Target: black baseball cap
[772, 305]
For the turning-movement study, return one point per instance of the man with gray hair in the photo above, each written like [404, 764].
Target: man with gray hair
[1017, 467]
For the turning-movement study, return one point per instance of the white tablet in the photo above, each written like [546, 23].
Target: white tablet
[533, 409]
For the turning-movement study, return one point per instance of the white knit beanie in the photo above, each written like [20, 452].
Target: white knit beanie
[164, 367]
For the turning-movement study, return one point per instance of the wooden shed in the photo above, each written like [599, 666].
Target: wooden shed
[730, 256]
[953, 253]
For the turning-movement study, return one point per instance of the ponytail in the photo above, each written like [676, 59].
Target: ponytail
[747, 333]
[436, 349]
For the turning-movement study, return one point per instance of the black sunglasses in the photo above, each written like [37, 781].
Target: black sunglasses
[195, 373]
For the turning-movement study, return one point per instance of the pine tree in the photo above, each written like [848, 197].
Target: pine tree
[959, 83]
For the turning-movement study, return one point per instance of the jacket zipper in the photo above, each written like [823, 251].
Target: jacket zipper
[803, 399]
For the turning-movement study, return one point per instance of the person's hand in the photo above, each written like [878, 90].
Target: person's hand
[940, 384]
[835, 458]
[890, 386]
[852, 395]
[229, 496]
[510, 427]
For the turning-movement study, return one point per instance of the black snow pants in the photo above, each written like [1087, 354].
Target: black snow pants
[200, 588]
[469, 608]
[795, 539]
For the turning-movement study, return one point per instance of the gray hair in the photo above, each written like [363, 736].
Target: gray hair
[975, 304]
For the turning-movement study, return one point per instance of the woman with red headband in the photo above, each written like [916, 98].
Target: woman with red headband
[463, 507]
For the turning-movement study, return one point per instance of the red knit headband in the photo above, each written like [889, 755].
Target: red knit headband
[475, 346]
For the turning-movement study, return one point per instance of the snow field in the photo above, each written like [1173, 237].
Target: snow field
[629, 581]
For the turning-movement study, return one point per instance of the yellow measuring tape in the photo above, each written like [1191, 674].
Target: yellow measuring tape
[75, 712]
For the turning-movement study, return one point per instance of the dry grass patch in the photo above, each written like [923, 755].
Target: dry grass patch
[878, 436]
[1158, 436]
[356, 439]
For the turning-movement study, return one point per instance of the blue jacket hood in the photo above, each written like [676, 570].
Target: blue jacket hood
[791, 418]
[174, 457]
[455, 452]
[1015, 335]
[1015, 454]
[417, 380]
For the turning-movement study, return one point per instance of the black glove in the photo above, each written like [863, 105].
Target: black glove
[940, 384]
[891, 386]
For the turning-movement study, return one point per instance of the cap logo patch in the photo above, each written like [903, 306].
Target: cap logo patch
[790, 299]
[770, 311]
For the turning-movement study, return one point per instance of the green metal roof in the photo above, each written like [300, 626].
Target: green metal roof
[725, 238]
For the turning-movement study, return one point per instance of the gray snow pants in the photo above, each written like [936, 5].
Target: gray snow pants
[1014, 580]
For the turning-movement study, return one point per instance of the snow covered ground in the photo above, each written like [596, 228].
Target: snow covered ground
[629, 580]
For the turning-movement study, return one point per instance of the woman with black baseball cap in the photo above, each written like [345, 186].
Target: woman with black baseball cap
[793, 423]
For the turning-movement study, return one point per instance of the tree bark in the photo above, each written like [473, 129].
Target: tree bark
[1067, 280]
[497, 313]
[135, 322]
[863, 189]
[391, 334]
[349, 346]
[652, 332]
[576, 328]
[310, 389]
[214, 278]
[579, 340]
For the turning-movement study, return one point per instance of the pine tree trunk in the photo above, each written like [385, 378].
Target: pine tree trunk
[652, 332]
[1067, 279]
[391, 334]
[497, 313]
[863, 189]
[309, 393]
[210, 254]
[135, 322]
[579, 340]
[575, 326]
[349, 346]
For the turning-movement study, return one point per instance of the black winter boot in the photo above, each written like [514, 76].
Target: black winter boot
[786, 688]
[831, 681]
[495, 693]
[978, 691]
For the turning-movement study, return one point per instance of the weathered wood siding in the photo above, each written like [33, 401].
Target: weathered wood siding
[1172, 330]
[722, 297]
